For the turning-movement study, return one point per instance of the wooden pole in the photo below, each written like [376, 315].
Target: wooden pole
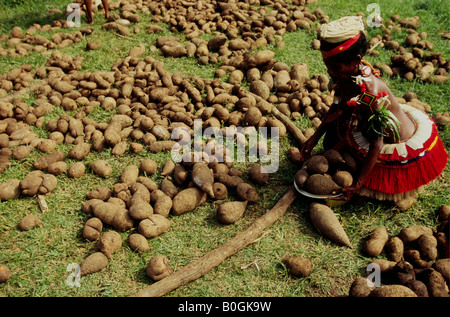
[215, 257]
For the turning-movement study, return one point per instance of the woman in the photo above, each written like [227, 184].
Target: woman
[397, 146]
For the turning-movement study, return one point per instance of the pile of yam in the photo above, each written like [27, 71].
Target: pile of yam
[416, 261]
[326, 173]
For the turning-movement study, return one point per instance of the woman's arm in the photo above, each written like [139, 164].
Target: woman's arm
[366, 169]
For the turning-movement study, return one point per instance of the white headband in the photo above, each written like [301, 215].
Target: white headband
[342, 29]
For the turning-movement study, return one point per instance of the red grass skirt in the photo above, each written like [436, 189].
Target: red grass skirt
[406, 166]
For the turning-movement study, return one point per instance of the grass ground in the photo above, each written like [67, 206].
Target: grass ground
[39, 258]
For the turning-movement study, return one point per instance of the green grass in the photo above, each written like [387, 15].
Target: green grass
[39, 258]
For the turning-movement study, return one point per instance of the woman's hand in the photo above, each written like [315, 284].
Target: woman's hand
[347, 192]
[307, 149]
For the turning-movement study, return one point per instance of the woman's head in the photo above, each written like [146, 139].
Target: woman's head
[345, 63]
[343, 44]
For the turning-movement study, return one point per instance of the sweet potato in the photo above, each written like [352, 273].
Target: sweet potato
[320, 185]
[138, 243]
[374, 245]
[109, 242]
[326, 222]
[93, 263]
[158, 268]
[29, 222]
[187, 200]
[230, 211]
[153, 226]
[92, 229]
[298, 266]
[101, 168]
[203, 177]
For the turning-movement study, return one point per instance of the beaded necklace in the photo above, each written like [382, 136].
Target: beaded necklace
[381, 118]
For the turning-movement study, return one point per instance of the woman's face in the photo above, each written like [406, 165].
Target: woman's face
[341, 72]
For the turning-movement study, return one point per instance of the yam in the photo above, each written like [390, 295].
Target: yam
[109, 242]
[413, 232]
[129, 175]
[101, 168]
[220, 191]
[359, 287]
[395, 249]
[169, 188]
[5, 273]
[319, 184]
[29, 222]
[44, 161]
[148, 166]
[57, 168]
[187, 200]
[326, 222]
[80, 151]
[76, 170]
[203, 177]
[374, 245]
[257, 175]
[140, 210]
[158, 268]
[317, 164]
[393, 290]
[343, 178]
[247, 192]
[92, 229]
[230, 211]
[163, 205]
[298, 266]
[138, 243]
[300, 177]
[93, 263]
[10, 189]
[153, 226]
[427, 246]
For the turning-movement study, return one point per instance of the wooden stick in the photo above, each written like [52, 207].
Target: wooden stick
[215, 257]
